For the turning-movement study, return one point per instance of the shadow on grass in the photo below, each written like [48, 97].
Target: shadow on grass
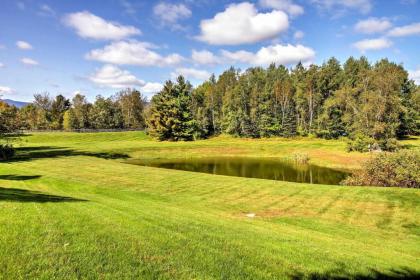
[20, 195]
[19, 177]
[394, 274]
[30, 153]
[408, 146]
[407, 137]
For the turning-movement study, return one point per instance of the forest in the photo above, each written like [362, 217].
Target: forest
[371, 104]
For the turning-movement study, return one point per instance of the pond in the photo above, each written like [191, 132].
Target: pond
[253, 168]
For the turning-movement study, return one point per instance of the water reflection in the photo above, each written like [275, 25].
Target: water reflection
[253, 168]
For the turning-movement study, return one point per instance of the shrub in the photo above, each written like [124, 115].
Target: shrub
[390, 145]
[400, 169]
[6, 151]
[361, 143]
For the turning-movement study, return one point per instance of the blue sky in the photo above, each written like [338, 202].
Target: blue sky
[99, 47]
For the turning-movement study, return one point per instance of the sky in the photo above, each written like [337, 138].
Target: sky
[102, 46]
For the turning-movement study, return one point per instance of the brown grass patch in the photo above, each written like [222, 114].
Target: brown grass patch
[338, 159]
[219, 151]
[278, 213]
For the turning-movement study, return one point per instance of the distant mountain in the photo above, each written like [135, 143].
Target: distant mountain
[18, 104]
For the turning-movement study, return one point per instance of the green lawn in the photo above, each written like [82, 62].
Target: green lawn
[71, 208]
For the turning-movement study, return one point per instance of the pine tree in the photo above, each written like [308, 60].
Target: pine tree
[171, 115]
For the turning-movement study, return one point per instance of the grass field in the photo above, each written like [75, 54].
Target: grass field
[71, 208]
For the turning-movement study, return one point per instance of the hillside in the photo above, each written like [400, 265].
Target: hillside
[18, 104]
[70, 207]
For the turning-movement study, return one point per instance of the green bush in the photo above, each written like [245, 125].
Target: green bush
[400, 169]
[361, 143]
[390, 145]
[6, 151]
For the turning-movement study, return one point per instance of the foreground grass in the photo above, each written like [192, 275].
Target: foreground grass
[70, 208]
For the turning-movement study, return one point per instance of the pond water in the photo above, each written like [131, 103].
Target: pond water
[253, 168]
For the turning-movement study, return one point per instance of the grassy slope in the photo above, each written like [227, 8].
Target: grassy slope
[138, 145]
[134, 221]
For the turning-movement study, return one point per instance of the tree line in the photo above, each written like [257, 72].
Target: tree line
[371, 104]
[124, 110]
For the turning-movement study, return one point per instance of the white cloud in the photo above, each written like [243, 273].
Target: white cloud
[242, 24]
[169, 14]
[415, 75]
[151, 88]
[280, 54]
[1, 65]
[133, 53]
[205, 57]
[372, 25]
[284, 5]
[24, 45]
[113, 77]
[407, 30]
[128, 7]
[45, 10]
[239, 56]
[5, 90]
[191, 73]
[29, 61]
[298, 35]
[88, 25]
[372, 44]
[363, 6]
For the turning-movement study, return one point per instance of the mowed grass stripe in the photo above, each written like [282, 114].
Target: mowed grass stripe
[247, 190]
[140, 222]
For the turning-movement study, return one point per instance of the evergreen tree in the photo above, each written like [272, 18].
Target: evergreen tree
[171, 115]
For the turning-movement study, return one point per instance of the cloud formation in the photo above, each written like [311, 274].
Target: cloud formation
[372, 44]
[24, 45]
[47, 11]
[407, 30]
[29, 61]
[242, 24]
[279, 54]
[114, 77]
[340, 6]
[287, 6]
[415, 75]
[5, 90]
[133, 53]
[90, 26]
[205, 57]
[169, 14]
[298, 35]
[372, 25]
[151, 88]
[191, 73]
